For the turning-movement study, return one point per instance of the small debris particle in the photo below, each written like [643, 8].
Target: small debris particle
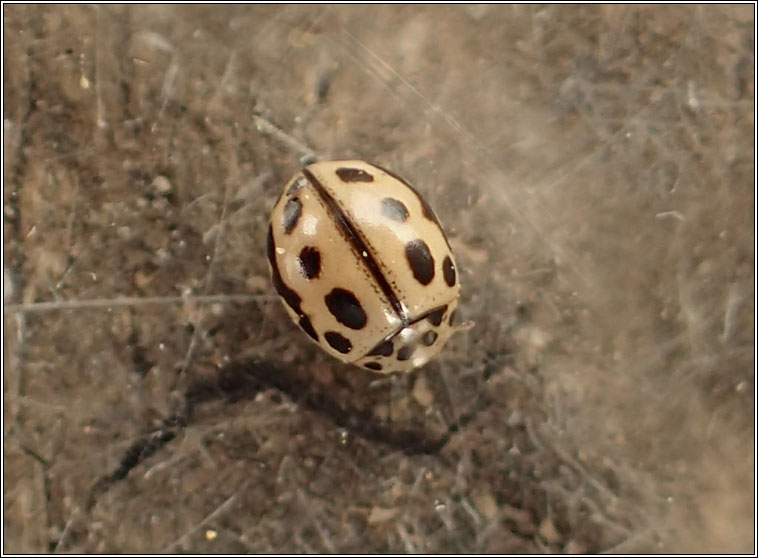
[519, 517]
[8, 285]
[573, 547]
[381, 412]
[211, 534]
[323, 375]
[161, 184]
[381, 515]
[421, 392]
[142, 278]
[485, 503]
[548, 532]
[256, 283]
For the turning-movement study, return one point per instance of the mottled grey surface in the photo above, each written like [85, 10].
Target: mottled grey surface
[593, 167]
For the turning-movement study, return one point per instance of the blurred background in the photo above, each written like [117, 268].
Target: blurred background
[594, 169]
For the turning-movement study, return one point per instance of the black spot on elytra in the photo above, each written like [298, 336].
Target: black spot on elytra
[421, 261]
[435, 316]
[394, 209]
[338, 342]
[453, 316]
[291, 214]
[426, 209]
[309, 262]
[383, 349]
[307, 326]
[345, 307]
[406, 352]
[270, 248]
[290, 297]
[348, 174]
[429, 338]
[448, 271]
[297, 185]
[428, 212]
[373, 366]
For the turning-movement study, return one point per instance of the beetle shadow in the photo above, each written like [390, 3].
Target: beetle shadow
[244, 379]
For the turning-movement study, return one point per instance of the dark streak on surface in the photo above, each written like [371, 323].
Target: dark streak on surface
[140, 450]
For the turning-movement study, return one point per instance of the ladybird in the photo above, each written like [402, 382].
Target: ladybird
[363, 266]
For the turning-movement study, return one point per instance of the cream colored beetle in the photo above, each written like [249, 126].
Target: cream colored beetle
[363, 266]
